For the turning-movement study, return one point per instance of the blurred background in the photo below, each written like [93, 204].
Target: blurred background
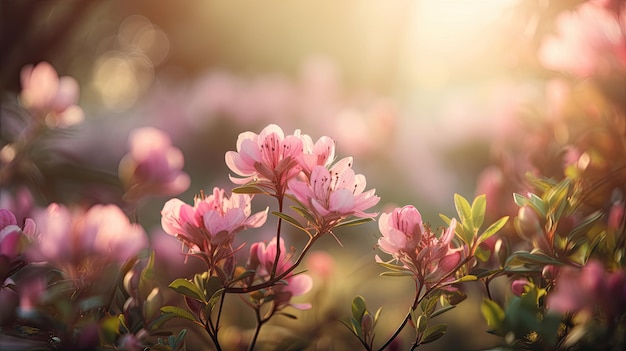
[420, 92]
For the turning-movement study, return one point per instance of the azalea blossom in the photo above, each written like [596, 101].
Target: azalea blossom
[591, 289]
[153, 166]
[334, 194]
[211, 222]
[262, 259]
[102, 233]
[320, 153]
[430, 258]
[269, 158]
[50, 98]
[12, 235]
[590, 41]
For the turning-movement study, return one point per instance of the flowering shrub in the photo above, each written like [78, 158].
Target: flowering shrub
[547, 267]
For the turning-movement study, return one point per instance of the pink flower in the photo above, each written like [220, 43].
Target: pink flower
[321, 264]
[591, 289]
[212, 221]
[262, 260]
[12, 236]
[518, 286]
[320, 153]
[591, 41]
[432, 259]
[50, 98]
[153, 166]
[332, 195]
[269, 158]
[101, 233]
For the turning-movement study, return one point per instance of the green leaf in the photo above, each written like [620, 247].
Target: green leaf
[354, 222]
[493, 229]
[465, 278]
[396, 274]
[433, 333]
[538, 204]
[216, 296]
[493, 314]
[535, 258]
[289, 220]
[178, 312]
[304, 213]
[445, 218]
[158, 322]
[187, 288]
[520, 200]
[428, 305]
[392, 267]
[179, 339]
[358, 308]
[582, 228]
[442, 310]
[248, 189]
[478, 210]
[242, 276]
[465, 215]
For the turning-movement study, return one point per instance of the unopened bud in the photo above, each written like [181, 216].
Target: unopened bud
[366, 323]
[527, 223]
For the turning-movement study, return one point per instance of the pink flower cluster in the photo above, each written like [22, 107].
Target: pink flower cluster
[432, 259]
[100, 234]
[210, 225]
[262, 259]
[591, 289]
[49, 98]
[591, 41]
[153, 166]
[281, 164]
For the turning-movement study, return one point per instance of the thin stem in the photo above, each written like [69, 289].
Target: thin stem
[219, 313]
[272, 282]
[280, 198]
[259, 324]
[419, 299]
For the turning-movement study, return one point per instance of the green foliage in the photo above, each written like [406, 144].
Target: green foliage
[471, 220]
[362, 322]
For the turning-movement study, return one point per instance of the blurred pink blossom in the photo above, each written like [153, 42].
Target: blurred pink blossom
[321, 264]
[12, 235]
[211, 222]
[153, 166]
[262, 260]
[518, 286]
[50, 98]
[101, 233]
[591, 41]
[432, 259]
[334, 194]
[590, 289]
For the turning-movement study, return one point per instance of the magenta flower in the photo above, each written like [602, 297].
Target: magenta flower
[12, 236]
[153, 166]
[211, 222]
[335, 194]
[270, 159]
[262, 260]
[102, 233]
[50, 98]
[430, 258]
[591, 289]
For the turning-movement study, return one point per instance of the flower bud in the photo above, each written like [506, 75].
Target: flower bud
[367, 323]
[527, 223]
